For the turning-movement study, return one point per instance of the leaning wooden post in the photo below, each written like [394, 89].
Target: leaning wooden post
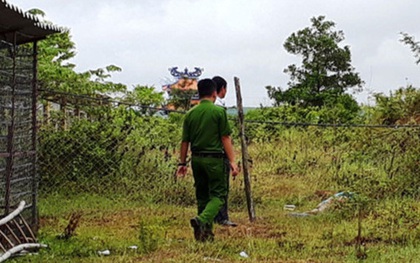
[245, 156]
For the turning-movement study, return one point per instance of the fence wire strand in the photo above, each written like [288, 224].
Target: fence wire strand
[286, 124]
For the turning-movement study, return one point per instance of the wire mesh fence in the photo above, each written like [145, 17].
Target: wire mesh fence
[119, 152]
[122, 151]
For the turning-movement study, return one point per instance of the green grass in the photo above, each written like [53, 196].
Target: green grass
[162, 232]
[297, 169]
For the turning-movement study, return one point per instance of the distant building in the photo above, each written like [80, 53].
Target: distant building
[183, 92]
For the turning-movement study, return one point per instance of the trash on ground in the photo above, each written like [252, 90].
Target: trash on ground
[133, 247]
[324, 205]
[289, 207]
[104, 252]
[243, 254]
[297, 214]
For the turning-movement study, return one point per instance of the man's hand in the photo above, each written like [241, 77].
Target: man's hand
[234, 170]
[182, 171]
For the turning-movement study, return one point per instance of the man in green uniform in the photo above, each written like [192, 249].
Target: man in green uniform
[222, 217]
[206, 130]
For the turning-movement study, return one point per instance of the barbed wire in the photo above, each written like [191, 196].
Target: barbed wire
[286, 124]
[335, 125]
[107, 100]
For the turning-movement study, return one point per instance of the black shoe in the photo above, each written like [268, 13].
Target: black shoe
[228, 223]
[208, 235]
[198, 229]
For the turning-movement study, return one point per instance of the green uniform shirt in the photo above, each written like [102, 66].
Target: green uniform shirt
[204, 126]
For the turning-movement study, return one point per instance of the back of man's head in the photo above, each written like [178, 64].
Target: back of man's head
[220, 82]
[206, 88]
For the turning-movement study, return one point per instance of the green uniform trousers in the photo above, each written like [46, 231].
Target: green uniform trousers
[210, 186]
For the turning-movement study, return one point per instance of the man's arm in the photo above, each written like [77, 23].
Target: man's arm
[184, 151]
[182, 166]
[228, 147]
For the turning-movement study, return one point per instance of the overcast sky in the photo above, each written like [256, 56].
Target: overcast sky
[242, 38]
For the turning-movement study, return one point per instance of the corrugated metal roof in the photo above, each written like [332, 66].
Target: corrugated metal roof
[27, 27]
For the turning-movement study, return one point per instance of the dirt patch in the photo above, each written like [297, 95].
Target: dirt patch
[258, 229]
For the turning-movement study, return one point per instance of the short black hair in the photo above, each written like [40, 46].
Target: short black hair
[206, 87]
[220, 82]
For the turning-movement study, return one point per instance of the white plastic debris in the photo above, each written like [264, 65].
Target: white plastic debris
[133, 247]
[324, 205]
[243, 254]
[19, 248]
[289, 207]
[104, 252]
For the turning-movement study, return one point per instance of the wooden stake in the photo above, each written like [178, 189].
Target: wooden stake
[245, 156]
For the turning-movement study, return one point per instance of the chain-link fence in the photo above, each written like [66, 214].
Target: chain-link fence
[121, 150]
[374, 160]
[111, 150]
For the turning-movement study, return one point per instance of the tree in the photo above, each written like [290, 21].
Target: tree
[144, 97]
[58, 74]
[413, 44]
[58, 80]
[400, 107]
[181, 99]
[325, 73]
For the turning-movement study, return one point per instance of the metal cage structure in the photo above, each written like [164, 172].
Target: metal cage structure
[19, 35]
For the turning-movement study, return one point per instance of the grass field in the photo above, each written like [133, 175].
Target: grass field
[162, 233]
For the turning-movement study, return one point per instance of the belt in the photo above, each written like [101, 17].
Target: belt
[209, 155]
